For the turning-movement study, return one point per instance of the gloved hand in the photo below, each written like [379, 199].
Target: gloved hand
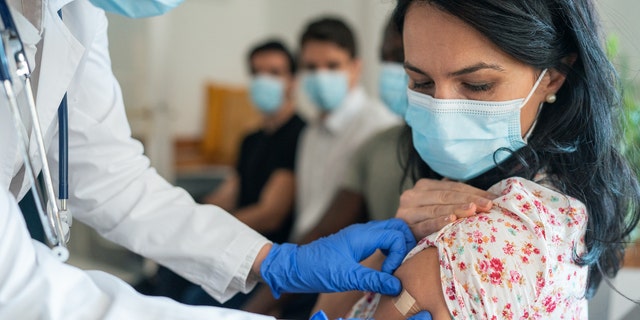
[424, 315]
[331, 264]
[320, 315]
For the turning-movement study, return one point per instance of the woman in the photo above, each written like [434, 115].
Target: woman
[519, 98]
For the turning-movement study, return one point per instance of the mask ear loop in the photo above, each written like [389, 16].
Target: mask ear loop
[533, 90]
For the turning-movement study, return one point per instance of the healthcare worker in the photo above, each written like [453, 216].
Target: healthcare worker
[113, 189]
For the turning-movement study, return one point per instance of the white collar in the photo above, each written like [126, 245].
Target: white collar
[350, 107]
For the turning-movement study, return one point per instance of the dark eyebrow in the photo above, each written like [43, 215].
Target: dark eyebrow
[409, 66]
[474, 68]
[466, 70]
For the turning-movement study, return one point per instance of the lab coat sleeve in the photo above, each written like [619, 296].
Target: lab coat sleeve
[113, 189]
[34, 285]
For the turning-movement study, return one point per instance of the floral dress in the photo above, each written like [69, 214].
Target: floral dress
[515, 262]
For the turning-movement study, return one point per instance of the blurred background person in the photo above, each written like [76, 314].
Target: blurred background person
[261, 190]
[371, 185]
[374, 179]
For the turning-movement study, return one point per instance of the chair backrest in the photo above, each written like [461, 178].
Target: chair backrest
[229, 117]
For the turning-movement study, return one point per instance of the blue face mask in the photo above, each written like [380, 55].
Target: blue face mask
[267, 93]
[461, 139]
[326, 89]
[137, 8]
[393, 85]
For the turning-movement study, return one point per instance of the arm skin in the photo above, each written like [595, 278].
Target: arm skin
[420, 276]
[276, 201]
[226, 195]
[347, 208]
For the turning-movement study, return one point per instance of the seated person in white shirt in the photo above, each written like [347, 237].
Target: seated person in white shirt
[347, 118]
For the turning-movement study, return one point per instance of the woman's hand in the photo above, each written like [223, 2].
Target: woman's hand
[432, 204]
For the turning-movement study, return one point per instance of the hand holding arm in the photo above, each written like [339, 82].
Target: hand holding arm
[432, 204]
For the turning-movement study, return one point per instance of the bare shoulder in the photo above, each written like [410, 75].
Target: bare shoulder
[420, 277]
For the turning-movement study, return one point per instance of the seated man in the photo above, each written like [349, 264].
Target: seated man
[371, 186]
[261, 190]
[348, 118]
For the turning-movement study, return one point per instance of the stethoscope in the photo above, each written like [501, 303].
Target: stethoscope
[55, 218]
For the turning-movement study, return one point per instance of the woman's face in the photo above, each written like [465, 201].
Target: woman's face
[448, 59]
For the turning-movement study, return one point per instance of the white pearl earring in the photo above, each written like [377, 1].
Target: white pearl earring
[551, 98]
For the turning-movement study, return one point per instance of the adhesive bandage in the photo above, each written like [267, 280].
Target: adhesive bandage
[406, 304]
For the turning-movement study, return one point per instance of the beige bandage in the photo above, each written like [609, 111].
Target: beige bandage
[406, 304]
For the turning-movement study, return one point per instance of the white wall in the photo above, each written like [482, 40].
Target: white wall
[620, 17]
[164, 62]
[167, 60]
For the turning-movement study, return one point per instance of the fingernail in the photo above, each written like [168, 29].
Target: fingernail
[484, 202]
[466, 206]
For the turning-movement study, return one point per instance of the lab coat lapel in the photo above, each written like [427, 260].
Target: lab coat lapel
[10, 154]
[61, 55]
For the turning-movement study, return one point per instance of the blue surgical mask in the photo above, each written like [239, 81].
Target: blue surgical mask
[393, 85]
[461, 139]
[326, 89]
[267, 93]
[137, 8]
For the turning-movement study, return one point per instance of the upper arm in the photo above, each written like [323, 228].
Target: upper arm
[346, 208]
[278, 193]
[420, 276]
[226, 195]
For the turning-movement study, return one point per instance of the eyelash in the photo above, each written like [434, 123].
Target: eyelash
[421, 85]
[479, 87]
[471, 87]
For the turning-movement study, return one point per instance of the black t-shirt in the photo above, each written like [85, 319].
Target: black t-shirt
[261, 154]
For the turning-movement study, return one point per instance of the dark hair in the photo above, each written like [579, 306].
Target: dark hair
[331, 30]
[274, 45]
[576, 141]
[392, 48]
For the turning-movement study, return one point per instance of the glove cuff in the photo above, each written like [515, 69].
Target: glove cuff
[277, 268]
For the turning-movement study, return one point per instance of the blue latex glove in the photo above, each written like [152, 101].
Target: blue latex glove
[424, 315]
[320, 315]
[331, 264]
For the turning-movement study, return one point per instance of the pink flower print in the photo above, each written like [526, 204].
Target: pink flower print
[496, 278]
[478, 237]
[497, 265]
[451, 292]
[526, 207]
[508, 249]
[519, 197]
[539, 230]
[506, 312]
[539, 281]
[462, 266]
[527, 249]
[483, 266]
[549, 304]
[524, 259]
[515, 276]
[560, 258]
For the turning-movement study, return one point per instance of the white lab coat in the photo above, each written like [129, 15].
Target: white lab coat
[112, 188]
